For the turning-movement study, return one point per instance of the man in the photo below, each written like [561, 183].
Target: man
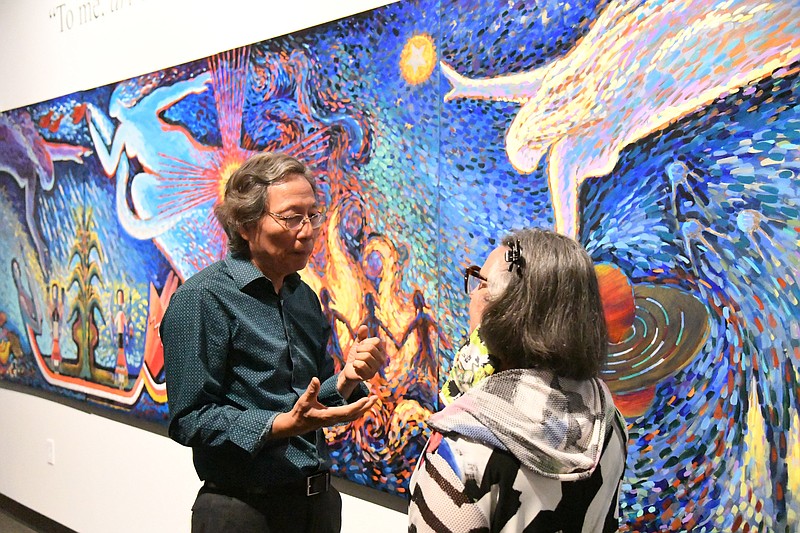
[249, 381]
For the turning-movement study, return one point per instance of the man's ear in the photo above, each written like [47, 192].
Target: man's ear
[244, 233]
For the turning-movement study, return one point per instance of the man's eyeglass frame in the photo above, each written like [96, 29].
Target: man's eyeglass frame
[316, 220]
[472, 271]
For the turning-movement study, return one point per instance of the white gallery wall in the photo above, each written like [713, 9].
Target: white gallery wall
[50, 48]
[85, 471]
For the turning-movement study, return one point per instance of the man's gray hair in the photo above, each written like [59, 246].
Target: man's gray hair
[245, 200]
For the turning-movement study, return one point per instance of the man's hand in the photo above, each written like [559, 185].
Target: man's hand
[366, 356]
[309, 415]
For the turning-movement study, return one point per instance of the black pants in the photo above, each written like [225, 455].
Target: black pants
[215, 511]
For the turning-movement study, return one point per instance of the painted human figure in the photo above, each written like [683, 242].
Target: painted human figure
[27, 161]
[375, 325]
[27, 302]
[371, 319]
[424, 326]
[120, 324]
[9, 345]
[333, 316]
[55, 312]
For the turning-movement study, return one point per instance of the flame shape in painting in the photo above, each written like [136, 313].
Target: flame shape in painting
[386, 440]
[641, 67]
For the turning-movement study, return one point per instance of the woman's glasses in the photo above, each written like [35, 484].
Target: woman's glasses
[473, 278]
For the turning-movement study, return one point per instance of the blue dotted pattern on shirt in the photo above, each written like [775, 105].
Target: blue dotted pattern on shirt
[236, 356]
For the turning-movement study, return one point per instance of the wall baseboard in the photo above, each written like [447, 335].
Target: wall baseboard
[30, 518]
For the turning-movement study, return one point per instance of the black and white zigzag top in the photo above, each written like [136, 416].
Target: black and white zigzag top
[522, 451]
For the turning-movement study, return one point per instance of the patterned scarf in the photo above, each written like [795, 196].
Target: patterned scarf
[554, 426]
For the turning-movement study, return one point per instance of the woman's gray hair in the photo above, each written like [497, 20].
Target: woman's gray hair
[546, 314]
[245, 200]
[498, 281]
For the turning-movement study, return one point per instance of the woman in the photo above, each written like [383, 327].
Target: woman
[537, 445]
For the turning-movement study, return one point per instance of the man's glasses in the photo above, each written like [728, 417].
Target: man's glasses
[473, 278]
[295, 222]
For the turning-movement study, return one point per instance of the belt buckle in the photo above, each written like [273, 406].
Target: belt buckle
[318, 483]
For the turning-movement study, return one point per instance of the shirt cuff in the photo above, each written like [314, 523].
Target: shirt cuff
[252, 429]
[361, 391]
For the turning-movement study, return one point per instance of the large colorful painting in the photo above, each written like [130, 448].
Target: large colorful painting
[663, 135]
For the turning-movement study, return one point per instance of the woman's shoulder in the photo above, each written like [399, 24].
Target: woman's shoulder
[476, 462]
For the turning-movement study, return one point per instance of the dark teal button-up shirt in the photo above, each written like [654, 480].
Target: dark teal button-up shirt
[236, 355]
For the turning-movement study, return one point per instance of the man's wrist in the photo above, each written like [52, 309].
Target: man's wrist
[346, 386]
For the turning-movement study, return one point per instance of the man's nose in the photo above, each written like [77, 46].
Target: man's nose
[306, 231]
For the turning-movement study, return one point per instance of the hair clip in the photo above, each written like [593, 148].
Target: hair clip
[514, 257]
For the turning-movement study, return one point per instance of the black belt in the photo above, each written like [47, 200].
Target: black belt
[312, 485]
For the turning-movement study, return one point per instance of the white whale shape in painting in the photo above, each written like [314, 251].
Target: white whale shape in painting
[641, 67]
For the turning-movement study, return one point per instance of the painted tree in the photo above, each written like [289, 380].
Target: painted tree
[85, 255]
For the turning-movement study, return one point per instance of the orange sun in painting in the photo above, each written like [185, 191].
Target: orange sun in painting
[418, 59]
[225, 172]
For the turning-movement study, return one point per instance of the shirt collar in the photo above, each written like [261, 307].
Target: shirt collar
[244, 272]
